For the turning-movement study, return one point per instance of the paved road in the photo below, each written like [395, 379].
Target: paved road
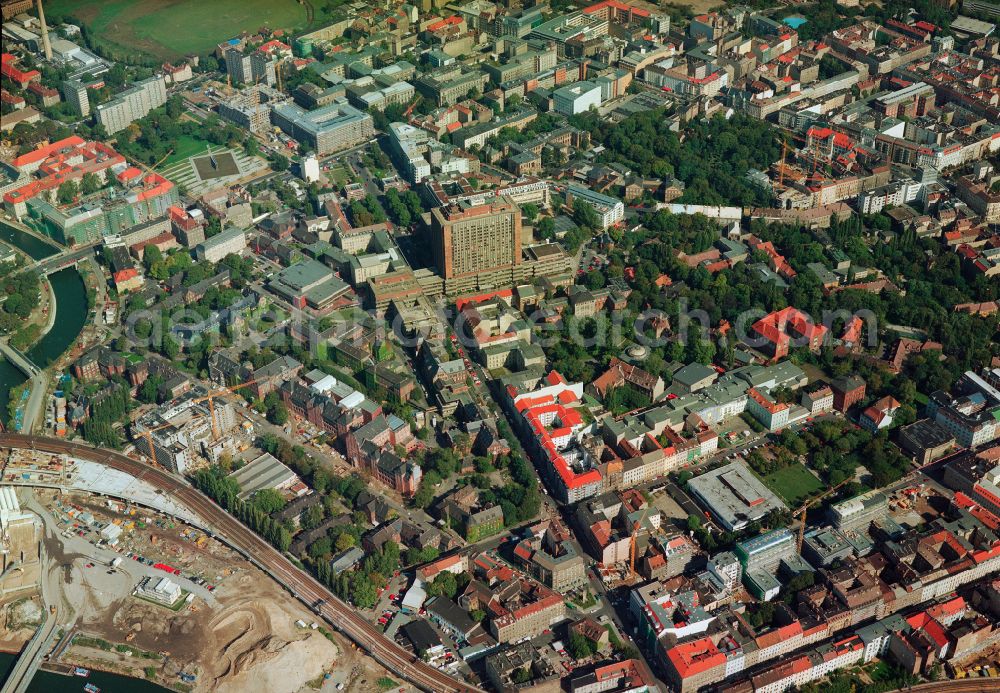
[227, 529]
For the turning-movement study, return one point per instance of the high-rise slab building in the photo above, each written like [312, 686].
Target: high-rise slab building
[477, 237]
[76, 95]
[132, 104]
[255, 68]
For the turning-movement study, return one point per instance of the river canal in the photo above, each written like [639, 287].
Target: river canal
[71, 313]
[48, 682]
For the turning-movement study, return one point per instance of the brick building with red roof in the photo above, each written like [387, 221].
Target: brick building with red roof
[786, 328]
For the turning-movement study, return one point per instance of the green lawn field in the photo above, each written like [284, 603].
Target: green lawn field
[169, 29]
[793, 484]
[186, 146]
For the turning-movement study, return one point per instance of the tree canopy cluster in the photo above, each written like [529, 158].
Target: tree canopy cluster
[712, 159]
[20, 296]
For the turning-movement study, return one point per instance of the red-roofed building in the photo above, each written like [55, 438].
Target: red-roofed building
[985, 516]
[140, 198]
[879, 415]
[615, 11]
[552, 423]
[924, 643]
[776, 260]
[9, 69]
[523, 612]
[788, 327]
[630, 675]
[49, 97]
[694, 664]
[14, 100]
[275, 49]
[177, 73]
[851, 339]
[621, 374]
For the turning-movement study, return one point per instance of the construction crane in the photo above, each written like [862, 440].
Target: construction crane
[147, 433]
[151, 169]
[631, 549]
[809, 504]
[409, 109]
[210, 398]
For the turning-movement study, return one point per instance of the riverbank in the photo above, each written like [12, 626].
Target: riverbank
[48, 680]
[29, 243]
[26, 239]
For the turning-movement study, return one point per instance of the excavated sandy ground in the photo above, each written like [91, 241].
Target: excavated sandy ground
[243, 639]
[19, 615]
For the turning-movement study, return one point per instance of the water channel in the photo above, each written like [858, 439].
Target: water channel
[49, 682]
[71, 313]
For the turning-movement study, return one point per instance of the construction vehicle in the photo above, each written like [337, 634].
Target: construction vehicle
[801, 512]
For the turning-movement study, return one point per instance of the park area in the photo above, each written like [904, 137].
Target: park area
[793, 484]
[187, 146]
[171, 29]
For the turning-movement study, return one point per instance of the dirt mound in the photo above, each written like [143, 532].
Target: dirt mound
[254, 646]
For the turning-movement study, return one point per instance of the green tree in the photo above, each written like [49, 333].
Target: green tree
[268, 501]
[278, 414]
[345, 541]
[585, 216]
[580, 646]
[546, 228]
[67, 192]
[150, 256]
[321, 547]
[279, 162]
[444, 584]
[90, 183]
[313, 516]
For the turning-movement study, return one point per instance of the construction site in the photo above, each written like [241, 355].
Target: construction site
[231, 629]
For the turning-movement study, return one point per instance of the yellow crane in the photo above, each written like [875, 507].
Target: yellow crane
[808, 504]
[147, 433]
[210, 398]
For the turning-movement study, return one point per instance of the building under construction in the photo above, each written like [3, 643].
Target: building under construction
[251, 107]
[185, 429]
[20, 547]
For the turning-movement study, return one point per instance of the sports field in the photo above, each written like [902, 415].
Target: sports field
[170, 29]
[793, 484]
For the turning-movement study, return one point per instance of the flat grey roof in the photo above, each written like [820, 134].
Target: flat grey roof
[264, 472]
[734, 495]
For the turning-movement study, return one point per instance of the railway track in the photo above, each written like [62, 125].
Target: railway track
[343, 617]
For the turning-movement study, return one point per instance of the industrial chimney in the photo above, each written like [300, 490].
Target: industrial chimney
[46, 46]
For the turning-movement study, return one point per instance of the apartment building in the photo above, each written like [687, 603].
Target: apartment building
[75, 93]
[972, 414]
[251, 107]
[132, 104]
[524, 611]
[255, 68]
[610, 210]
[858, 512]
[214, 249]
